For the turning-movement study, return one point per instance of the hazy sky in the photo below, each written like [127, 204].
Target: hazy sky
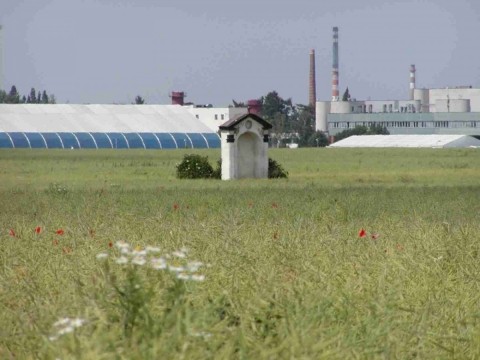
[109, 51]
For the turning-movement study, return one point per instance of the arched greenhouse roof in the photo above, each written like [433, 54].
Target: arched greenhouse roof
[102, 126]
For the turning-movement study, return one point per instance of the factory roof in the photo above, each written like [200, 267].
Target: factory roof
[98, 118]
[408, 141]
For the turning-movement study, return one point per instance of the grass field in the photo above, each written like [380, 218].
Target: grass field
[284, 271]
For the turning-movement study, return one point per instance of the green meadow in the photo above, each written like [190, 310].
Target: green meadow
[359, 254]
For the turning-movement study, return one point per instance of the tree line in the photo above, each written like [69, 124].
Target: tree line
[34, 97]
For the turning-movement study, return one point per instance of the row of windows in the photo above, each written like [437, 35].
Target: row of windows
[407, 124]
[108, 140]
[222, 116]
[410, 108]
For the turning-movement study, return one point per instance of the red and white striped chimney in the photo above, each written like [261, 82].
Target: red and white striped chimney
[312, 88]
[412, 82]
[335, 78]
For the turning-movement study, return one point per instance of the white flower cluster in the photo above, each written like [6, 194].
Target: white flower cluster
[65, 326]
[175, 262]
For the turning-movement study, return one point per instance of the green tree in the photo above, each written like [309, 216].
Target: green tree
[32, 97]
[3, 96]
[139, 100]
[13, 96]
[44, 97]
[346, 95]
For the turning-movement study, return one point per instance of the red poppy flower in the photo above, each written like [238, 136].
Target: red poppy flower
[12, 233]
[175, 206]
[110, 244]
[60, 232]
[362, 233]
[38, 230]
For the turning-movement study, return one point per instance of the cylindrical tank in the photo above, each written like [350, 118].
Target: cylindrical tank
[452, 105]
[254, 106]
[424, 96]
[177, 97]
[341, 107]
[322, 109]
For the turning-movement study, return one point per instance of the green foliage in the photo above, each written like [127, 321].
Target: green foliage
[275, 170]
[139, 100]
[13, 97]
[288, 266]
[346, 95]
[194, 166]
[362, 130]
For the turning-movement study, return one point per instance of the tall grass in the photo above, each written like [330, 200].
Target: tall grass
[286, 273]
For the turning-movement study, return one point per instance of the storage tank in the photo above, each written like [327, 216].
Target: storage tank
[424, 96]
[341, 107]
[452, 105]
[322, 109]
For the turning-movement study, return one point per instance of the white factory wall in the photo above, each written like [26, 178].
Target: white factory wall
[455, 94]
[214, 117]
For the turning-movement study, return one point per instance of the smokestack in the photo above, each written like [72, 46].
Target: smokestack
[1, 58]
[312, 88]
[335, 93]
[177, 97]
[254, 107]
[412, 82]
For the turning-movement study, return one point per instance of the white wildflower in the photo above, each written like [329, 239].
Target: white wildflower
[122, 260]
[139, 252]
[139, 260]
[176, 268]
[159, 263]
[179, 254]
[122, 245]
[193, 266]
[65, 326]
[152, 249]
[202, 334]
[183, 276]
[61, 322]
[102, 256]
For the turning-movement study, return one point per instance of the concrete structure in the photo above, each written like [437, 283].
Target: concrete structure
[214, 117]
[408, 141]
[1, 58]
[335, 62]
[426, 111]
[244, 147]
[103, 126]
[312, 88]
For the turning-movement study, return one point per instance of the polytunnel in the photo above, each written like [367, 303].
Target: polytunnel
[65, 126]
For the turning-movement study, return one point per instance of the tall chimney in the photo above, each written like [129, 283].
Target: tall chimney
[254, 107]
[1, 58]
[412, 82]
[177, 97]
[335, 93]
[312, 88]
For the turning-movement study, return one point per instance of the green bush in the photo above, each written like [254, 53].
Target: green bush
[275, 170]
[194, 167]
[198, 167]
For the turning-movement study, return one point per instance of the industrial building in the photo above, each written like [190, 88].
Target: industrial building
[426, 111]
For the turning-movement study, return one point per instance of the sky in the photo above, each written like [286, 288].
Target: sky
[109, 51]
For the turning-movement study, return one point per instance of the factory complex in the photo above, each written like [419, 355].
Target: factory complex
[447, 110]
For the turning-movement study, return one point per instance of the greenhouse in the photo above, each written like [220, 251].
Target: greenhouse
[66, 126]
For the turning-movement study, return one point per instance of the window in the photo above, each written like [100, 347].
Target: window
[222, 117]
[216, 117]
